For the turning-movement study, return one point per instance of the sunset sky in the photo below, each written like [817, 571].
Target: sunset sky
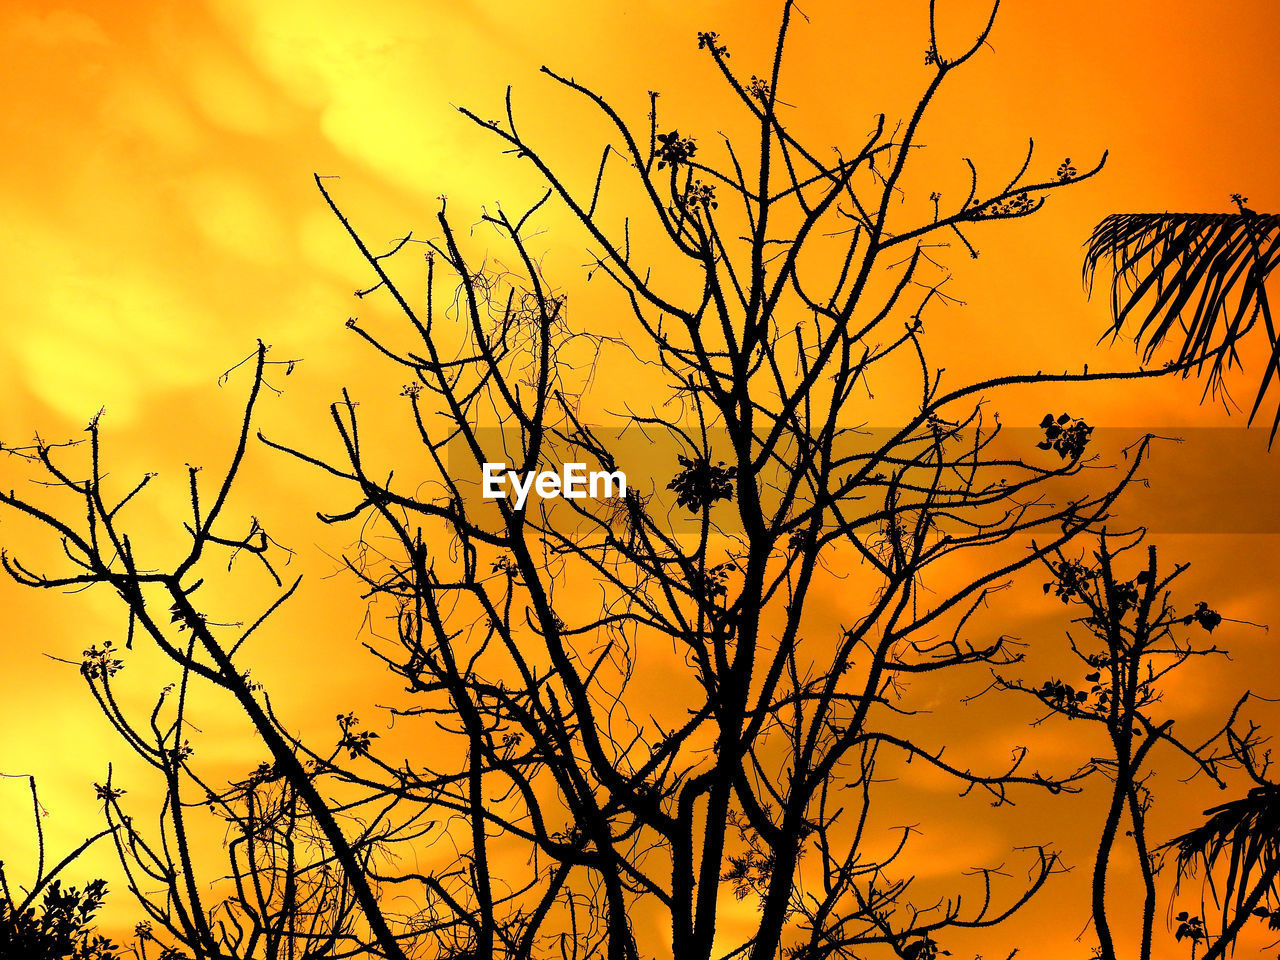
[160, 214]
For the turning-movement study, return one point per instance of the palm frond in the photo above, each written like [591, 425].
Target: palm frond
[1197, 280]
[1246, 832]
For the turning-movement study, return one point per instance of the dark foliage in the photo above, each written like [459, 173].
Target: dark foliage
[60, 928]
[702, 483]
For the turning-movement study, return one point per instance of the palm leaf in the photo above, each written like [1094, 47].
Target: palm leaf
[1244, 832]
[1195, 280]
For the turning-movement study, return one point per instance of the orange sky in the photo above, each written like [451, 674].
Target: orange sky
[160, 215]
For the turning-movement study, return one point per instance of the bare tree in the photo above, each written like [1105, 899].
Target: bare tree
[1134, 639]
[560, 800]
[275, 889]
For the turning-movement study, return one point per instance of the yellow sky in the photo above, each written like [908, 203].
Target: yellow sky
[159, 215]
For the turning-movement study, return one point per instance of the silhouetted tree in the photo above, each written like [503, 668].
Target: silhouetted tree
[1135, 639]
[561, 799]
[278, 891]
